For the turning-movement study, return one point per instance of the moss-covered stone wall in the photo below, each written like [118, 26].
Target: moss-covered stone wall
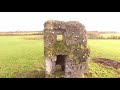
[73, 44]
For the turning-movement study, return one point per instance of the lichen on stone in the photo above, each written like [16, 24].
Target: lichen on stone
[73, 44]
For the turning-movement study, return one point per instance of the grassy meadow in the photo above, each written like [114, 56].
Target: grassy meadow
[20, 57]
[109, 49]
[23, 57]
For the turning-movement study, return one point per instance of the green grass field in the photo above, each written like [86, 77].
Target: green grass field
[19, 57]
[107, 49]
[23, 56]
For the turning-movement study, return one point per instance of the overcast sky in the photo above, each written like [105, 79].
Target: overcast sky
[33, 21]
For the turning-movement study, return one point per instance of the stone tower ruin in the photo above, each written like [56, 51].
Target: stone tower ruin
[71, 52]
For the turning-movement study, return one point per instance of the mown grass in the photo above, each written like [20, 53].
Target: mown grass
[18, 55]
[107, 49]
[21, 57]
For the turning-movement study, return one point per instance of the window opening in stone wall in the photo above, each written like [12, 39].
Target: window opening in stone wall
[59, 37]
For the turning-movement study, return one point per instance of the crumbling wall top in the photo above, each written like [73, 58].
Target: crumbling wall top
[55, 24]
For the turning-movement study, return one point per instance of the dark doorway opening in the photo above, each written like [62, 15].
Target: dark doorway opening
[61, 61]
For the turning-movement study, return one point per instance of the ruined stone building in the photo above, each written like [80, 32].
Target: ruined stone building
[70, 51]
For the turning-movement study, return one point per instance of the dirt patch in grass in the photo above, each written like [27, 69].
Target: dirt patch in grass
[30, 74]
[38, 74]
[107, 62]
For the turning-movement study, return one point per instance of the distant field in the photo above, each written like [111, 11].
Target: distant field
[110, 35]
[105, 35]
[23, 56]
[21, 33]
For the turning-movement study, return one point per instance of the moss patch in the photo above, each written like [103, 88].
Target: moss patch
[61, 48]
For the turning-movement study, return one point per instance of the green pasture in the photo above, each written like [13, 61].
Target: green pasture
[23, 56]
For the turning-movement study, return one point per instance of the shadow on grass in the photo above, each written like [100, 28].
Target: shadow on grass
[30, 74]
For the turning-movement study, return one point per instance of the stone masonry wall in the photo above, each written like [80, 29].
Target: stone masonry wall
[74, 45]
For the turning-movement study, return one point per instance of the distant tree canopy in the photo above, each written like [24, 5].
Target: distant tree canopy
[20, 33]
[103, 35]
[93, 35]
